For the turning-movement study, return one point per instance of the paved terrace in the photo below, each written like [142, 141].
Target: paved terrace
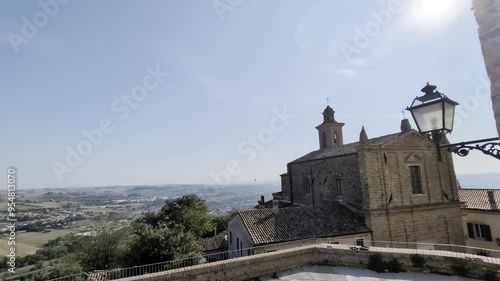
[253, 266]
[342, 273]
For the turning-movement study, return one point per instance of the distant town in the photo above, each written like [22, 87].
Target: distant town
[51, 213]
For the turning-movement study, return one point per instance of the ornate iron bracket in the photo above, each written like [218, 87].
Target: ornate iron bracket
[487, 146]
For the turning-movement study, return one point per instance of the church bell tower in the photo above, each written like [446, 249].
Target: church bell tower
[330, 131]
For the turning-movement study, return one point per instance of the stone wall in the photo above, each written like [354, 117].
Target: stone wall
[487, 13]
[246, 268]
[431, 224]
[285, 187]
[322, 176]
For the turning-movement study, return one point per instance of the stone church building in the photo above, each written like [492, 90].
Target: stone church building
[395, 182]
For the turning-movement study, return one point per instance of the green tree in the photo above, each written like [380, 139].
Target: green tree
[188, 211]
[61, 270]
[100, 251]
[149, 244]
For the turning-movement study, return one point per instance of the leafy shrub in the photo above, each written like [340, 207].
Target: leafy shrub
[417, 261]
[376, 263]
[460, 267]
[491, 276]
[393, 265]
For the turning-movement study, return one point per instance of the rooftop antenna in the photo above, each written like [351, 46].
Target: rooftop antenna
[403, 111]
[327, 101]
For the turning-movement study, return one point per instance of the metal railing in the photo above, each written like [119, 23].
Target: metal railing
[447, 250]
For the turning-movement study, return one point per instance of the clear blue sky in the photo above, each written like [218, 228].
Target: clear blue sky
[231, 65]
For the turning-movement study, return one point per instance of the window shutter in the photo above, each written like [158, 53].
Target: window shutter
[485, 229]
[470, 229]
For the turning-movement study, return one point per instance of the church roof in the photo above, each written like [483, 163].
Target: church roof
[478, 199]
[344, 149]
[266, 226]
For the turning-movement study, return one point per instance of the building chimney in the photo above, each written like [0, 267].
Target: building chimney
[261, 202]
[405, 126]
[491, 200]
[275, 206]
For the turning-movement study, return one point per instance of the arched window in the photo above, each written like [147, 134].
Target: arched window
[339, 186]
[324, 139]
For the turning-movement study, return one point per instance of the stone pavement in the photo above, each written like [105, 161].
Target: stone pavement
[341, 273]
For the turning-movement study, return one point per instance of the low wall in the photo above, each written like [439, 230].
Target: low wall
[250, 267]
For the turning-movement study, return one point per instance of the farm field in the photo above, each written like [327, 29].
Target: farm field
[28, 242]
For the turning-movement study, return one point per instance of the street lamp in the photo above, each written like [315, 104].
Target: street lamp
[434, 113]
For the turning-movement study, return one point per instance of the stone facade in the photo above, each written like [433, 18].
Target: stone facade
[395, 211]
[396, 181]
[318, 182]
[487, 13]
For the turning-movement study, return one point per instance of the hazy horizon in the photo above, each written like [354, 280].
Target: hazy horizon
[480, 181]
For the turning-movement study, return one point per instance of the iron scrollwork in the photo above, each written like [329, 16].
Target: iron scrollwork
[487, 146]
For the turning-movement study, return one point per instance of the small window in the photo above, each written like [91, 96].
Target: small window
[360, 242]
[324, 139]
[237, 243]
[339, 186]
[479, 231]
[416, 183]
[230, 237]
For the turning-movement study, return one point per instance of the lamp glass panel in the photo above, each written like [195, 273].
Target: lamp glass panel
[449, 114]
[429, 117]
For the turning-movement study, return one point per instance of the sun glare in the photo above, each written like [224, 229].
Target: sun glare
[433, 8]
[435, 13]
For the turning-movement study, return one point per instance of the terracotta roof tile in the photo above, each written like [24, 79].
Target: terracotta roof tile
[478, 199]
[213, 243]
[265, 226]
